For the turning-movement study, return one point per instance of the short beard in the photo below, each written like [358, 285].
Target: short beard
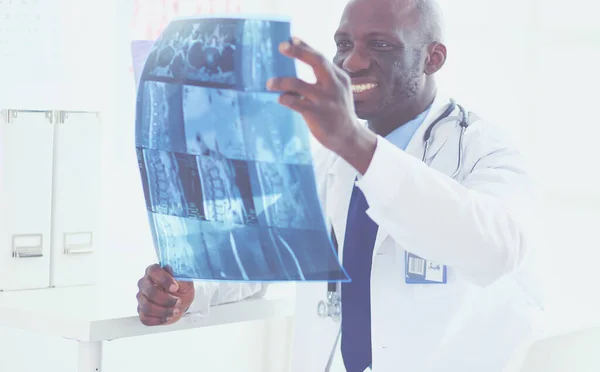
[408, 88]
[405, 90]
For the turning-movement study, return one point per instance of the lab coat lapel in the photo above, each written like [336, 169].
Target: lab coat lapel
[416, 145]
[340, 181]
[439, 134]
[341, 175]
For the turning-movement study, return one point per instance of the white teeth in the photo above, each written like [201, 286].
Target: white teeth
[359, 88]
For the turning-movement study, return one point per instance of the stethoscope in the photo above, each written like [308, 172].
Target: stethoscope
[331, 307]
[463, 123]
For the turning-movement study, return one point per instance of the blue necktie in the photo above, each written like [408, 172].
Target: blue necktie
[359, 243]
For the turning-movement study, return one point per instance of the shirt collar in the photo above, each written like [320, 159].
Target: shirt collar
[402, 135]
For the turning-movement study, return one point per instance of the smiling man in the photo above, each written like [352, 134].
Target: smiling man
[383, 48]
[431, 207]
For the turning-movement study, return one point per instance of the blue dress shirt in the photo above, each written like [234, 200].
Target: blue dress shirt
[359, 243]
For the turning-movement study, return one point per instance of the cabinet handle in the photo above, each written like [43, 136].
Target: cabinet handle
[27, 245]
[78, 243]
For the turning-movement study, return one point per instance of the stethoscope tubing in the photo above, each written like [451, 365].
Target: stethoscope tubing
[331, 307]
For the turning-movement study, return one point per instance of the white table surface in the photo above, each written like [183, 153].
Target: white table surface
[108, 312]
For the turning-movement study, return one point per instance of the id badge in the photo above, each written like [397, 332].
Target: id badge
[421, 271]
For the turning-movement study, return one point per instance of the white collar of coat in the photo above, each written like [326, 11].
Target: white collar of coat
[440, 132]
[341, 176]
[416, 146]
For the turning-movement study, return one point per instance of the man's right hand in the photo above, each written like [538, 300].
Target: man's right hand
[162, 299]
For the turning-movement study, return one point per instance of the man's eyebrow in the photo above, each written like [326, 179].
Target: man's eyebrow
[373, 34]
[381, 34]
[340, 34]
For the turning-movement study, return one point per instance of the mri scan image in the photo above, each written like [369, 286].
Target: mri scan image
[226, 171]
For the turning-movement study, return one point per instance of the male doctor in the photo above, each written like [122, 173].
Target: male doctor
[433, 233]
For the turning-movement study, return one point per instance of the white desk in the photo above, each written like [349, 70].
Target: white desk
[93, 314]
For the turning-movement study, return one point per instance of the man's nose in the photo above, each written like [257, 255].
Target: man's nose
[356, 61]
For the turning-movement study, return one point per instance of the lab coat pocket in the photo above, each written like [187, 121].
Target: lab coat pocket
[451, 288]
[421, 292]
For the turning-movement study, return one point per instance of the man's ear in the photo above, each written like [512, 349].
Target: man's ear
[436, 58]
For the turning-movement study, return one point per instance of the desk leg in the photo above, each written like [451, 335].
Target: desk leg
[278, 342]
[90, 357]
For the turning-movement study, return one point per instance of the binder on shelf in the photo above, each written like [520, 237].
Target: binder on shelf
[50, 198]
[77, 182]
[26, 162]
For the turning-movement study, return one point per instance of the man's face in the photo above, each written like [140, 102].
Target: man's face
[378, 46]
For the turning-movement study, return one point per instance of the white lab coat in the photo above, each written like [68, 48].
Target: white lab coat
[477, 224]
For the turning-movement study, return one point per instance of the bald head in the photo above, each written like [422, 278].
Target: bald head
[430, 20]
[424, 18]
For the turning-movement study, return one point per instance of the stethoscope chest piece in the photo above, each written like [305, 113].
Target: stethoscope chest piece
[331, 308]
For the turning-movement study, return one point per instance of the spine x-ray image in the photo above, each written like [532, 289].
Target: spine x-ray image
[226, 170]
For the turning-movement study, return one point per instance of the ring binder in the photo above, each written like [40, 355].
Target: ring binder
[51, 210]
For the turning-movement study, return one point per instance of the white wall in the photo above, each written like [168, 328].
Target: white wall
[531, 74]
[127, 247]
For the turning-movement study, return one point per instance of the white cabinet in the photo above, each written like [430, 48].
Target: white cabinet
[50, 198]
[76, 198]
[26, 146]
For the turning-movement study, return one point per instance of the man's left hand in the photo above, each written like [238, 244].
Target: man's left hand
[327, 106]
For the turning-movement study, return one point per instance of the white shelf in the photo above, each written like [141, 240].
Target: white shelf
[108, 312]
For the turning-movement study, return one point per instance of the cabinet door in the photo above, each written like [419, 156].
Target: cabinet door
[77, 198]
[26, 147]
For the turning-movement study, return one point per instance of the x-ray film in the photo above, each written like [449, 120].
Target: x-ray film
[226, 170]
